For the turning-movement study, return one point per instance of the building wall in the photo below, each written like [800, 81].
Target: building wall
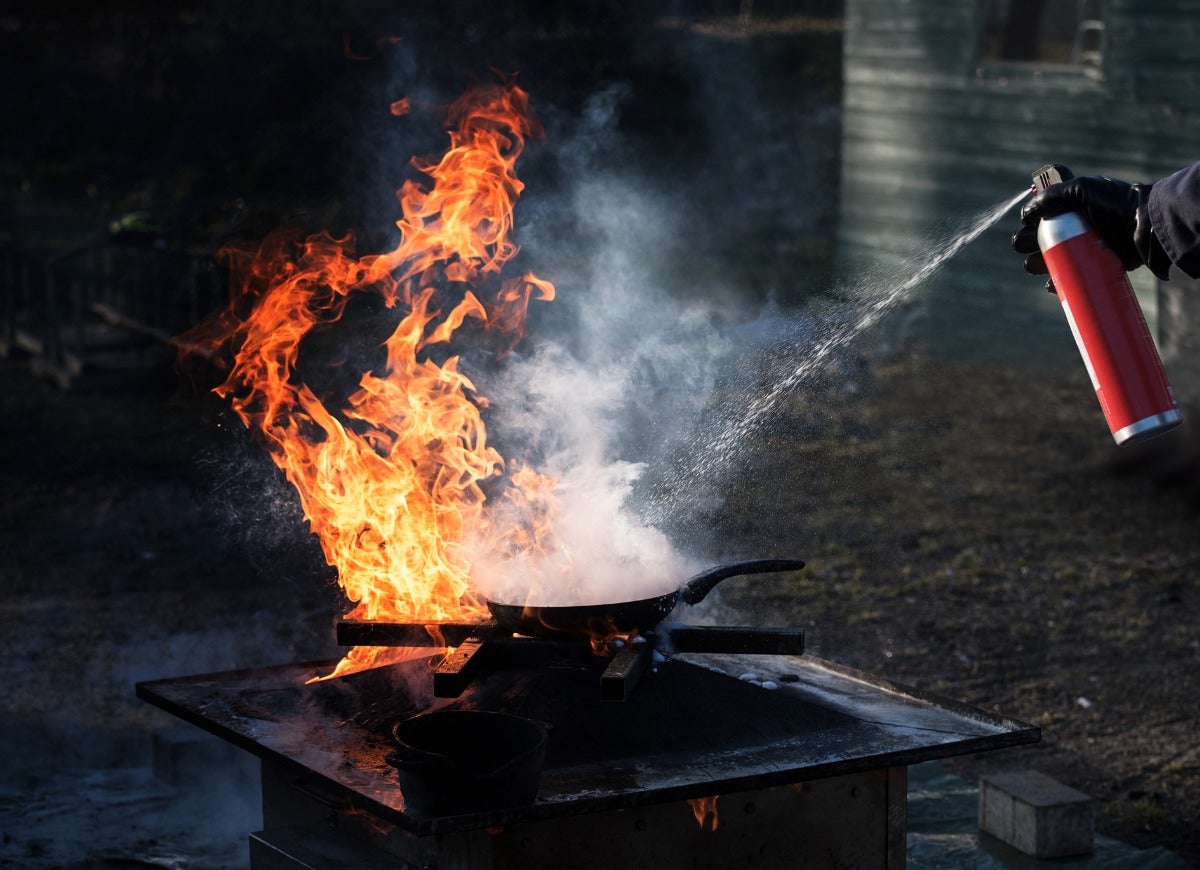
[933, 135]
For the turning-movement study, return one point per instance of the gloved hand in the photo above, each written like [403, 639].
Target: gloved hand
[1115, 210]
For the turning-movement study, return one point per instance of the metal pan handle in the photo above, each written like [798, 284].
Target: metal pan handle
[694, 590]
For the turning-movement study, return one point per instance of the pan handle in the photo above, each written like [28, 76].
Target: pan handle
[694, 590]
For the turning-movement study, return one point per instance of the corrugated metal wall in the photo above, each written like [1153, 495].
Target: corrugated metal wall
[932, 135]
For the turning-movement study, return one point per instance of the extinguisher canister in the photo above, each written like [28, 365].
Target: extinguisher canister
[1107, 323]
[1060, 228]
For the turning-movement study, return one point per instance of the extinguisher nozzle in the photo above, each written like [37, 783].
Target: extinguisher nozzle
[1053, 173]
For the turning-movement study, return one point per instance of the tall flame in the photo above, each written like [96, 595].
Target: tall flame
[390, 483]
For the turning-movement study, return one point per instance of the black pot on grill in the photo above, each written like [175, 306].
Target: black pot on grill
[451, 762]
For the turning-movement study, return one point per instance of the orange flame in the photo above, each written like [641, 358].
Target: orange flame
[705, 811]
[390, 483]
[531, 509]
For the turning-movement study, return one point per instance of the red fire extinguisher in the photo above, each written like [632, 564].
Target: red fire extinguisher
[1107, 322]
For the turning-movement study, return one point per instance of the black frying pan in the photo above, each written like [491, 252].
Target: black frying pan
[623, 617]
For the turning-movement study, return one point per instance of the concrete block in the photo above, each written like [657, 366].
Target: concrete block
[1036, 814]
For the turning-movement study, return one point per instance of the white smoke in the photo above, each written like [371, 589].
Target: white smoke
[627, 369]
[630, 376]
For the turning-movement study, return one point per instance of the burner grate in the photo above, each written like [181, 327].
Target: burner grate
[484, 648]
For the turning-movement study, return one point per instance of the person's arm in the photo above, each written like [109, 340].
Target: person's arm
[1152, 225]
[1173, 208]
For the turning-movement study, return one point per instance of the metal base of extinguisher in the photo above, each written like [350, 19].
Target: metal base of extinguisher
[1148, 427]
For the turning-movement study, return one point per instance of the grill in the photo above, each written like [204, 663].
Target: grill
[802, 759]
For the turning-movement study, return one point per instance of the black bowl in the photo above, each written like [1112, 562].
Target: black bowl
[451, 762]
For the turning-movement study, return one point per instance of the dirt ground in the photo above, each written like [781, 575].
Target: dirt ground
[969, 530]
[973, 531]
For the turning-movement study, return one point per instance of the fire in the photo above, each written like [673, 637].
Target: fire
[606, 640]
[390, 481]
[531, 509]
[705, 811]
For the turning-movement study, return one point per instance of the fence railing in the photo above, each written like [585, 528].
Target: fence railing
[101, 304]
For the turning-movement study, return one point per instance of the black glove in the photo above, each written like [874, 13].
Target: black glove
[1115, 209]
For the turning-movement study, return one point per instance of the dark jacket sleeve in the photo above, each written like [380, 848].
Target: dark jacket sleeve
[1174, 210]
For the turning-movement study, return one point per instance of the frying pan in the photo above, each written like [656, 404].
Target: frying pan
[622, 617]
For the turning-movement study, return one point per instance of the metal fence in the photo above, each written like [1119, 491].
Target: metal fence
[100, 305]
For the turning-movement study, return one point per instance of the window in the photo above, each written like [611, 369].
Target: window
[1065, 32]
